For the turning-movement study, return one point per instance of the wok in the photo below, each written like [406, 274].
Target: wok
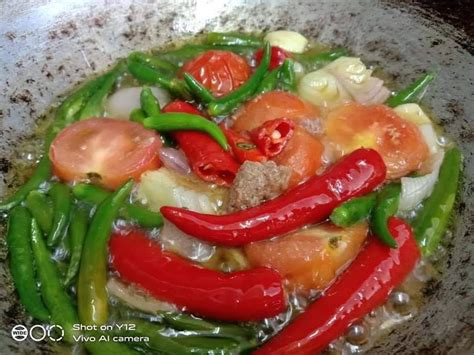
[47, 46]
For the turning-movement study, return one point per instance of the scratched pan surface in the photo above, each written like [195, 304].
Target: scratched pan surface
[46, 47]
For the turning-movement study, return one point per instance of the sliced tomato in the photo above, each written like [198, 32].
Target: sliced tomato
[309, 259]
[399, 141]
[104, 150]
[302, 154]
[219, 71]
[271, 105]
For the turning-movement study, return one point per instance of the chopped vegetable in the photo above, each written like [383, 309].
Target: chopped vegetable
[288, 40]
[91, 289]
[272, 137]
[356, 174]
[431, 222]
[22, 263]
[413, 92]
[225, 296]
[365, 285]
[242, 147]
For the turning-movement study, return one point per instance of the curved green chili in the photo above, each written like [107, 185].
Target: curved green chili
[22, 265]
[225, 104]
[77, 233]
[172, 121]
[61, 197]
[314, 61]
[386, 206]
[149, 103]
[353, 211]
[286, 76]
[92, 293]
[141, 215]
[232, 39]
[431, 222]
[153, 61]
[41, 209]
[411, 93]
[95, 105]
[268, 83]
[197, 89]
[41, 174]
[148, 74]
[57, 301]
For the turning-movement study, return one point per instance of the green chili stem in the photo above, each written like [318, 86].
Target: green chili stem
[385, 207]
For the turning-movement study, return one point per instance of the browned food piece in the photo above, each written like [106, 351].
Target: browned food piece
[256, 183]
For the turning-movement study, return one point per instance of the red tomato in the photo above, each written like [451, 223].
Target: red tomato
[399, 141]
[219, 71]
[105, 150]
[311, 258]
[302, 154]
[271, 105]
[277, 58]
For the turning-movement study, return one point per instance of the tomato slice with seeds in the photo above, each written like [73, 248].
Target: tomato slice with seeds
[104, 150]
[219, 71]
[399, 141]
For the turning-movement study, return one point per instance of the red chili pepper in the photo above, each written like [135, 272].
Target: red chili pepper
[356, 174]
[248, 295]
[277, 58]
[242, 147]
[273, 136]
[207, 158]
[365, 285]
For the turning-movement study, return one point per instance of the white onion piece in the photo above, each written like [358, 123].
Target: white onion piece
[122, 102]
[175, 240]
[288, 40]
[137, 298]
[429, 134]
[175, 159]
[413, 113]
[416, 189]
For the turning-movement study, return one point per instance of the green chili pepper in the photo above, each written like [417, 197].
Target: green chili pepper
[95, 195]
[286, 76]
[190, 51]
[225, 104]
[431, 222]
[353, 211]
[95, 105]
[92, 294]
[386, 206]
[41, 209]
[148, 74]
[232, 39]
[197, 89]
[22, 266]
[268, 83]
[41, 174]
[57, 301]
[137, 115]
[61, 197]
[412, 93]
[153, 61]
[149, 102]
[314, 61]
[172, 121]
[77, 233]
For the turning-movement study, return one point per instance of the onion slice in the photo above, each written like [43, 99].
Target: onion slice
[175, 159]
[416, 189]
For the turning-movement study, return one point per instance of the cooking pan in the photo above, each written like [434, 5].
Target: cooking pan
[47, 46]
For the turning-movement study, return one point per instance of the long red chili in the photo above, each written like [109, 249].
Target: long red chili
[273, 136]
[356, 174]
[207, 158]
[248, 295]
[365, 285]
